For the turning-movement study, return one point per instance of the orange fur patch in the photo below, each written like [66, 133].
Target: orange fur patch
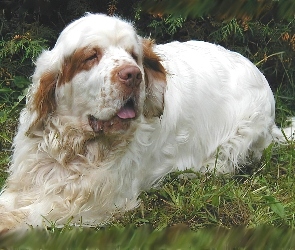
[81, 60]
[44, 101]
[155, 78]
[152, 61]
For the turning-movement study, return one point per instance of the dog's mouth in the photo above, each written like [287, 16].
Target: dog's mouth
[119, 122]
[128, 110]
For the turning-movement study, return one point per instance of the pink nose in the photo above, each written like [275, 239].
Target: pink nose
[130, 76]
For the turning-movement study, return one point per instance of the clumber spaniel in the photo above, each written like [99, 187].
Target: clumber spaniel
[109, 114]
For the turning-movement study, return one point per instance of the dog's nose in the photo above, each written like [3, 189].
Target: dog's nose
[130, 76]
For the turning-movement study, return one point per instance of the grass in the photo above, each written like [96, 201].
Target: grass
[145, 237]
[254, 208]
[8, 124]
[263, 196]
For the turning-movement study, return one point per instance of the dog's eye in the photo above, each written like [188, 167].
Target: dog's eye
[91, 58]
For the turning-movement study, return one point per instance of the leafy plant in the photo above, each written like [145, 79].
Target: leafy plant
[228, 31]
[226, 9]
[16, 58]
[166, 25]
[17, 54]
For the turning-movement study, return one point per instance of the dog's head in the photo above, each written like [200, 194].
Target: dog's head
[101, 74]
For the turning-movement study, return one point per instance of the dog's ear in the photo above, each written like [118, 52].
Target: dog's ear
[155, 79]
[41, 96]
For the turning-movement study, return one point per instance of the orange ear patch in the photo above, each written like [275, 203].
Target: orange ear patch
[155, 78]
[152, 61]
[44, 100]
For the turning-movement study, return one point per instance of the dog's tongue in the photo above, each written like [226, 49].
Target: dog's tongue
[126, 112]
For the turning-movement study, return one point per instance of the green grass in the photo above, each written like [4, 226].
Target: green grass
[8, 124]
[255, 207]
[145, 237]
[263, 196]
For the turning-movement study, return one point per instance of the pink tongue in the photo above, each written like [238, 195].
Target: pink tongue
[126, 112]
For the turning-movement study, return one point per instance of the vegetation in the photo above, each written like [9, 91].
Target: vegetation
[255, 207]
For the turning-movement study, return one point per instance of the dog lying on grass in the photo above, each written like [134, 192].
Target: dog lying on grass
[110, 113]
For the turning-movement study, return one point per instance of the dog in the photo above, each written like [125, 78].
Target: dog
[109, 114]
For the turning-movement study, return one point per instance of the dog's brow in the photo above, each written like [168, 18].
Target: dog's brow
[79, 61]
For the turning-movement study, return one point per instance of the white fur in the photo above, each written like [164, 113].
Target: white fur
[218, 110]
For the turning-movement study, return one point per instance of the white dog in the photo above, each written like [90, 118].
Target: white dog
[109, 114]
